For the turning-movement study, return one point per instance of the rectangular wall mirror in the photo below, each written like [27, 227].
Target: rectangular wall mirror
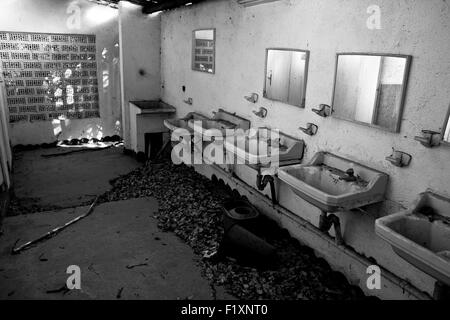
[446, 129]
[286, 75]
[203, 50]
[370, 89]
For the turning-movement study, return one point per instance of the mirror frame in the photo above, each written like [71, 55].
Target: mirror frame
[444, 127]
[306, 75]
[193, 50]
[402, 98]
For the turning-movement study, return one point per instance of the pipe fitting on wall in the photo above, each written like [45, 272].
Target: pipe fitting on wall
[310, 130]
[429, 138]
[399, 158]
[324, 110]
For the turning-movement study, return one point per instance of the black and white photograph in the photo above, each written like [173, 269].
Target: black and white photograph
[226, 158]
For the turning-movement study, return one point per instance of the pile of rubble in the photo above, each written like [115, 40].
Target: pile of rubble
[190, 206]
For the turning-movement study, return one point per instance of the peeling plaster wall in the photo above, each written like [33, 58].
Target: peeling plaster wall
[52, 16]
[420, 28]
[140, 39]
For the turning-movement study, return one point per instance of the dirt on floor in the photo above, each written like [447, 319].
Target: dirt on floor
[42, 182]
[190, 206]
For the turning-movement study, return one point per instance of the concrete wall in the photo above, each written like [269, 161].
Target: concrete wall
[415, 27]
[52, 16]
[140, 36]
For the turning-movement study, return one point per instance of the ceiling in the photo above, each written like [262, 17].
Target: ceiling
[150, 6]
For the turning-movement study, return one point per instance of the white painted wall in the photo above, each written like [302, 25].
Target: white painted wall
[419, 28]
[140, 39]
[52, 16]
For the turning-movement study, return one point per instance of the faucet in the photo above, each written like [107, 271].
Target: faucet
[323, 111]
[349, 176]
[262, 112]
[432, 215]
[253, 97]
[429, 138]
[311, 129]
[188, 101]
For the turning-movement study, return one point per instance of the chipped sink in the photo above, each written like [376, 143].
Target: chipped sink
[322, 182]
[221, 121]
[182, 123]
[264, 145]
[421, 235]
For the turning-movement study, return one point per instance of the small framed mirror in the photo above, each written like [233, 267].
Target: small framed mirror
[446, 129]
[285, 75]
[370, 88]
[203, 50]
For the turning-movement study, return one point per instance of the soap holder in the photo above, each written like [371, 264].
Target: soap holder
[324, 110]
[429, 138]
[399, 158]
[253, 97]
[311, 129]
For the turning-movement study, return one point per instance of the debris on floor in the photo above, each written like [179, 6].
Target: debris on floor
[54, 231]
[190, 206]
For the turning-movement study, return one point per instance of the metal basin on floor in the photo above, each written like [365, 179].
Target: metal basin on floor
[421, 235]
[324, 182]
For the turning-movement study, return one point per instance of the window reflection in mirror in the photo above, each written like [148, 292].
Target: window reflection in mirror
[203, 50]
[286, 75]
[446, 128]
[370, 89]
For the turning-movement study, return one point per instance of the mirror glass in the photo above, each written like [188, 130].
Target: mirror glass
[286, 73]
[203, 50]
[446, 128]
[370, 89]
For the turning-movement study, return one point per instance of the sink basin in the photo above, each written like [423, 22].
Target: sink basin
[182, 123]
[321, 182]
[422, 242]
[221, 121]
[263, 146]
[153, 106]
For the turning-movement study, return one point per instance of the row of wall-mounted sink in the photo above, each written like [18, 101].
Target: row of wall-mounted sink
[420, 235]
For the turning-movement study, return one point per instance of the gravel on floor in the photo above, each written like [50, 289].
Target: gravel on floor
[190, 206]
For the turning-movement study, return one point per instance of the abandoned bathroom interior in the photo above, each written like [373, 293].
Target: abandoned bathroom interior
[102, 101]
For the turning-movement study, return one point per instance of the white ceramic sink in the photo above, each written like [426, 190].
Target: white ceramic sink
[423, 242]
[221, 121]
[264, 146]
[322, 182]
[182, 123]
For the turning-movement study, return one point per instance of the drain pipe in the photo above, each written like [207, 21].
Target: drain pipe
[327, 221]
[261, 183]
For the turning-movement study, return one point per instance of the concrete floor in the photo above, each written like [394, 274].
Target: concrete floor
[69, 180]
[121, 252]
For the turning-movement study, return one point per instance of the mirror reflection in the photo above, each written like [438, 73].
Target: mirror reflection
[203, 48]
[446, 128]
[286, 73]
[370, 89]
